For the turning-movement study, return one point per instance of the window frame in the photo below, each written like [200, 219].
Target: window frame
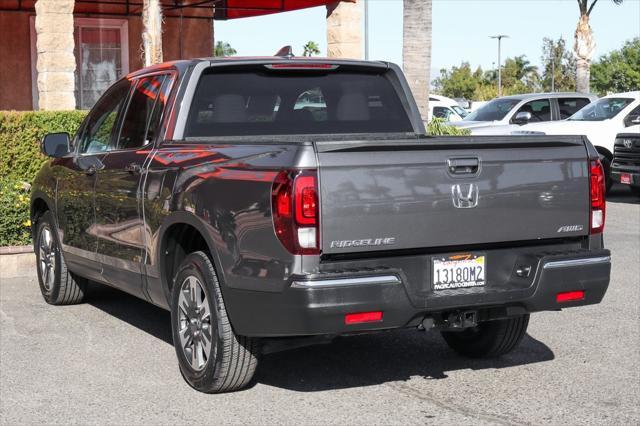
[121, 24]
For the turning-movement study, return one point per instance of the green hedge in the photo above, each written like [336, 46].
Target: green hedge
[20, 160]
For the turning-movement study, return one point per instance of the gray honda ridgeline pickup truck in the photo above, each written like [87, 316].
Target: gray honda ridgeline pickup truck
[275, 202]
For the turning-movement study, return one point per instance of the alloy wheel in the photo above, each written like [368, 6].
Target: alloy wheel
[47, 258]
[194, 323]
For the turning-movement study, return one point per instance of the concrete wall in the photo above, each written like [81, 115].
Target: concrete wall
[15, 61]
[15, 51]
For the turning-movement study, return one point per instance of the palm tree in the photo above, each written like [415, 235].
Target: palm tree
[223, 49]
[584, 45]
[311, 48]
[416, 50]
[152, 32]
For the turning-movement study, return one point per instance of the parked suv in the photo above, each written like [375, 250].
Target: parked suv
[625, 167]
[504, 115]
[278, 201]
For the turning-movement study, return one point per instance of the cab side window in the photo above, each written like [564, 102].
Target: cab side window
[442, 112]
[539, 109]
[633, 117]
[143, 113]
[569, 106]
[97, 135]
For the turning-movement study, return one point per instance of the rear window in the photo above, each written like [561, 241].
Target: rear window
[286, 103]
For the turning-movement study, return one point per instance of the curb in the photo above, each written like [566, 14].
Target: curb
[15, 250]
[17, 261]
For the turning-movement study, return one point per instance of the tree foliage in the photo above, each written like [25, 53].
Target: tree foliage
[559, 66]
[618, 71]
[310, 48]
[518, 76]
[223, 48]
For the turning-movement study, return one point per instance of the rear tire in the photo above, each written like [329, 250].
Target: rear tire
[606, 166]
[211, 356]
[488, 339]
[58, 285]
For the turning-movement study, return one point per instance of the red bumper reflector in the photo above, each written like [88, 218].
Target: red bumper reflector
[361, 317]
[570, 296]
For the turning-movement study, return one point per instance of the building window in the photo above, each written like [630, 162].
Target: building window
[102, 57]
[101, 50]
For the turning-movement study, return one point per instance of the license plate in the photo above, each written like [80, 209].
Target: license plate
[458, 271]
[625, 178]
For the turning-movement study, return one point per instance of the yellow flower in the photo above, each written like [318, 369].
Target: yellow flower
[27, 223]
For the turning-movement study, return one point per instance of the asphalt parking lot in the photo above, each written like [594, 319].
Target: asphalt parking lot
[111, 361]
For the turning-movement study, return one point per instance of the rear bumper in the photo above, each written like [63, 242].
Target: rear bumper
[315, 305]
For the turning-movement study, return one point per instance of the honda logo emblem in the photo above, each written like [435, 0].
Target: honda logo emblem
[628, 143]
[464, 196]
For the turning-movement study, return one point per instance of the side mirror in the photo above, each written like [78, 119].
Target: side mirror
[523, 117]
[631, 120]
[56, 144]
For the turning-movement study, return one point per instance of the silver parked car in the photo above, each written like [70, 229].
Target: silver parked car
[503, 115]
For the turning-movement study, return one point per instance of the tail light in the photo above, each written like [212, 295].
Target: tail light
[296, 217]
[597, 190]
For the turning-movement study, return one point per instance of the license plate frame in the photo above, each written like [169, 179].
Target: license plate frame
[458, 271]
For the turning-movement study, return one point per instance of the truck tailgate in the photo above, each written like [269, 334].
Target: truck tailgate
[444, 192]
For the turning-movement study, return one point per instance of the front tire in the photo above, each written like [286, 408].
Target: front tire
[488, 339]
[211, 356]
[58, 285]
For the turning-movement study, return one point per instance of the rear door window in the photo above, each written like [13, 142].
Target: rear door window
[287, 103]
[141, 117]
[569, 106]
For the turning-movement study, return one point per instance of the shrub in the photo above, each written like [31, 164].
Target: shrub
[20, 136]
[14, 213]
[20, 160]
[437, 127]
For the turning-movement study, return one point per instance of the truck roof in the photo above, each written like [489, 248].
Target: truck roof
[528, 96]
[258, 60]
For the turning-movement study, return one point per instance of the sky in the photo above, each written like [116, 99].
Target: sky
[461, 29]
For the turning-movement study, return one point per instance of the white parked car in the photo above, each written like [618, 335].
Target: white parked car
[446, 108]
[503, 115]
[600, 121]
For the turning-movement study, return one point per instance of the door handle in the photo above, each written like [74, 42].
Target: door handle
[461, 166]
[133, 168]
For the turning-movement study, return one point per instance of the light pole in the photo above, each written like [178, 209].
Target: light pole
[499, 37]
[366, 30]
[553, 74]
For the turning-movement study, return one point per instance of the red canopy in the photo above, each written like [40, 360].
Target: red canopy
[232, 9]
[202, 9]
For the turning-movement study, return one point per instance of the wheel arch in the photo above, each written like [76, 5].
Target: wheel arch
[183, 233]
[605, 152]
[39, 205]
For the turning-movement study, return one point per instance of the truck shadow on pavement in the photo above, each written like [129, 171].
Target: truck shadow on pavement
[374, 359]
[355, 361]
